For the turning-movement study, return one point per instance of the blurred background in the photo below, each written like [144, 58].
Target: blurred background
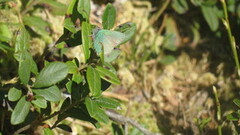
[180, 51]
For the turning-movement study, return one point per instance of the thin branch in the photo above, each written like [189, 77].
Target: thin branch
[122, 119]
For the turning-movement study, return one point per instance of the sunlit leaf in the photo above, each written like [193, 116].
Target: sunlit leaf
[40, 102]
[22, 41]
[94, 81]
[51, 94]
[20, 111]
[51, 74]
[14, 94]
[108, 75]
[37, 24]
[86, 39]
[109, 16]
[180, 6]
[107, 103]
[84, 8]
[210, 15]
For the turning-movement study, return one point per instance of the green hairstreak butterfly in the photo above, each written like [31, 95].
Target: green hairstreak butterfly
[108, 41]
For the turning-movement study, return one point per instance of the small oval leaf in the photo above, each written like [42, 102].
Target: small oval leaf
[107, 103]
[14, 94]
[108, 75]
[20, 111]
[210, 15]
[91, 106]
[40, 102]
[22, 41]
[86, 39]
[84, 8]
[109, 17]
[51, 74]
[51, 94]
[94, 81]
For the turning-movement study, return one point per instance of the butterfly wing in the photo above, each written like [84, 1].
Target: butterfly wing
[108, 39]
[112, 56]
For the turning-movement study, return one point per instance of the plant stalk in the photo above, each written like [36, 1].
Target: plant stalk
[219, 118]
[230, 36]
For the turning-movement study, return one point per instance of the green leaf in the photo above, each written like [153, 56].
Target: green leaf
[108, 75]
[65, 127]
[71, 17]
[5, 47]
[51, 94]
[168, 59]
[37, 24]
[84, 8]
[14, 94]
[107, 103]
[2, 1]
[109, 17]
[71, 7]
[33, 65]
[20, 111]
[47, 131]
[86, 39]
[237, 102]
[101, 116]
[22, 41]
[95, 111]
[40, 102]
[180, 6]
[77, 78]
[69, 25]
[211, 16]
[72, 67]
[24, 70]
[51, 74]
[94, 81]
[92, 107]
[232, 118]
[55, 7]
[5, 33]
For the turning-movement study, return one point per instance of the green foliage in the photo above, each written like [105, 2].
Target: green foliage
[94, 82]
[14, 94]
[235, 116]
[109, 16]
[51, 74]
[43, 82]
[20, 111]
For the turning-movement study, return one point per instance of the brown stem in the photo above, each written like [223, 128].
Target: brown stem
[122, 119]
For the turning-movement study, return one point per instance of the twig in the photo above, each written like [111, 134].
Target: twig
[122, 119]
[154, 18]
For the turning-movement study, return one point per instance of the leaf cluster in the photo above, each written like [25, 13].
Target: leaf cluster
[39, 85]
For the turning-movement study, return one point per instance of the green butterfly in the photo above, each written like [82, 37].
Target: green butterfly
[106, 41]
